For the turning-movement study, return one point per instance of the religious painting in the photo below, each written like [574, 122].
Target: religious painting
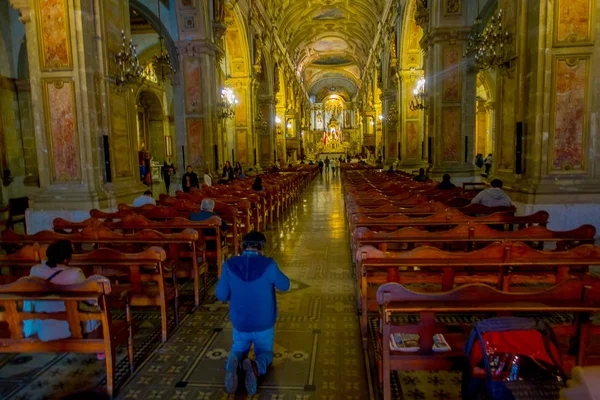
[329, 14]
[54, 34]
[242, 145]
[451, 128]
[451, 7]
[119, 133]
[62, 129]
[331, 44]
[192, 74]
[451, 83]
[572, 21]
[195, 133]
[412, 139]
[569, 110]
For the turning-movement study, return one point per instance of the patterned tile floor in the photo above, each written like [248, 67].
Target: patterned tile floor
[318, 352]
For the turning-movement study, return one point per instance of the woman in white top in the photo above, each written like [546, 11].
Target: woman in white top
[56, 271]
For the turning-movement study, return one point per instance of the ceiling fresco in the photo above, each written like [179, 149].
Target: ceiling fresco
[328, 39]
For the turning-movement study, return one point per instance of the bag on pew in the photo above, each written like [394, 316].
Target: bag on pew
[512, 359]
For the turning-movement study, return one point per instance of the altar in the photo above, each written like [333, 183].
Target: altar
[333, 141]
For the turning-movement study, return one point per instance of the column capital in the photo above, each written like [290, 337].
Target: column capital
[23, 7]
[196, 48]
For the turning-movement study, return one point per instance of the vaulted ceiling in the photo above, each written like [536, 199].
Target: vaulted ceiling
[329, 41]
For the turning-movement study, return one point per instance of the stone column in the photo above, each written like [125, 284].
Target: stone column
[197, 59]
[412, 138]
[265, 127]
[71, 45]
[390, 125]
[481, 144]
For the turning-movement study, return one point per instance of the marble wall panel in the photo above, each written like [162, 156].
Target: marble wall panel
[193, 85]
[195, 130]
[54, 34]
[392, 145]
[570, 94]
[451, 90]
[62, 130]
[241, 114]
[242, 145]
[508, 120]
[451, 128]
[573, 18]
[412, 139]
[265, 147]
[113, 14]
[119, 133]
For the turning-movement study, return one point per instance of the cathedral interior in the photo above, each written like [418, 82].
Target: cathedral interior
[337, 105]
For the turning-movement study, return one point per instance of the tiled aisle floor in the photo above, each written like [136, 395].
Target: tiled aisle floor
[318, 352]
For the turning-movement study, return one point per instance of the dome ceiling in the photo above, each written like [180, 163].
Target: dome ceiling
[329, 41]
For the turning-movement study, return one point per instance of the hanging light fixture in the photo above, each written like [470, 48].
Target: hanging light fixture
[162, 61]
[488, 47]
[226, 107]
[129, 68]
[418, 101]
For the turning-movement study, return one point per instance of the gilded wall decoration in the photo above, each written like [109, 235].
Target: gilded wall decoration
[54, 34]
[412, 139]
[451, 81]
[60, 103]
[451, 126]
[242, 146]
[195, 133]
[572, 21]
[119, 133]
[569, 111]
[451, 7]
[193, 85]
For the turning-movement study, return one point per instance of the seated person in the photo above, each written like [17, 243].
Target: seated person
[311, 162]
[257, 185]
[390, 170]
[446, 184]
[493, 197]
[421, 177]
[251, 172]
[207, 179]
[144, 199]
[207, 211]
[56, 271]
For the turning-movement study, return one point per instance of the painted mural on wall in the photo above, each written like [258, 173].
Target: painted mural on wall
[329, 14]
[63, 134]
[195, 129]
[570, 92]
[119, 133]
[573, 19]
[193, 85]
[451, 84]
[54, 32]
[331, 44]
[451, 126]
[412, 139]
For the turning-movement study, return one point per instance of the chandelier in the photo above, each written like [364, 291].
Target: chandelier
[129, 68]
[488, 47]
[162, 60]
[418, 101]
[226, 107]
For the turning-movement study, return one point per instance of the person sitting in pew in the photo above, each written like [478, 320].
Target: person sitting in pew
[248, 283]
[144, 199]
[421, 177]
[446, 184]
[207, 211]
[493, 197]
[55, 270]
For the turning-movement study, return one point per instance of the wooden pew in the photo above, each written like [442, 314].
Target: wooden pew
[498, 264]
[188, 244]
[159, 293]
[580, 297]
[467, 237]
[448, 218]
[104, 339]
[21, 260]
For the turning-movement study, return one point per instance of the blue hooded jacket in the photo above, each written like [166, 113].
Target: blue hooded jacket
[248, 283]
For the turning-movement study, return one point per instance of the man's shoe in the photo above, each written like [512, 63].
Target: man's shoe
[231, 375]
[251, 369]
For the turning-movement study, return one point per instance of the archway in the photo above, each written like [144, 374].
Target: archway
[485, 113]
[151, 135]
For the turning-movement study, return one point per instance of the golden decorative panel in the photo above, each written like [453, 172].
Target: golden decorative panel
[412, 139]
[573, 22]
[242, 145]
[241, 115]
[451, 77]
[53, 27]
[195, 133]
[451, 126]
[192, 74]
[569, 110]
[119, 133]
[61, 125]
